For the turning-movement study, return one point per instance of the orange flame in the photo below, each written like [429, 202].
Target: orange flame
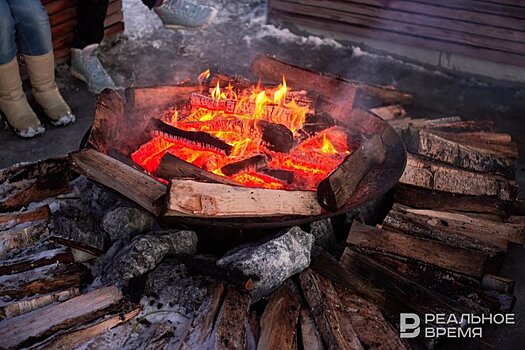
[280, 94]
[203, 76]
[327, 147]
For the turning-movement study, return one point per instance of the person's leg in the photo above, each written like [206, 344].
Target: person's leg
[89, 32]
[34, 40]
[90, 22]
[13, 101]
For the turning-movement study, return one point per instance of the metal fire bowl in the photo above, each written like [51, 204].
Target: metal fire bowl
[379, 180]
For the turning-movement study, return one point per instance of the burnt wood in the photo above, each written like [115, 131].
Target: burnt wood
[173, 167]
[22, 236]
[310, 337]
[7, 220]
[254, 163]
[29, 262]
[198, 137]
[229, 329]
[279, 174]
[335, 191]
[276, 137]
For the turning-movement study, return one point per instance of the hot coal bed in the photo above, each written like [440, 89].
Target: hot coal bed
[238, 215]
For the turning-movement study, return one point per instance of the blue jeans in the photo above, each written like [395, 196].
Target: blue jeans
[23, 22]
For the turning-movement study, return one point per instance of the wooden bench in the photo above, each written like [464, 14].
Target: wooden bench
[62, 17]
[489, 30]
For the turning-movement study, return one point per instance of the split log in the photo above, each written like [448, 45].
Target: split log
[27, 329]
[406, 292]
[455, 233]
[327, 310]
[460, 288]
[418, 197]
[197, 137]
[42, 280]
[336, 190]
[199, 199]
[25, 171]
[201, 329]
[455, 224]
[75, 337]
[108, 113]
[254, 163]
[22, 306]
[173, 167]
[434, 176]
[229, 331]
[22, 236]
[29, 262]
[390, 112]
[279, 320]
[373, 331]
[311, 339]
[157, 98]
[131, 183]
[15, 195]
[9, 220]
[457, 154]
[445, 256]
[328, 87]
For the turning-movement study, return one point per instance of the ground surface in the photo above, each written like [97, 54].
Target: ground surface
[147, 54]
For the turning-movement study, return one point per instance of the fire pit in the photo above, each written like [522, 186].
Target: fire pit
[242, 155]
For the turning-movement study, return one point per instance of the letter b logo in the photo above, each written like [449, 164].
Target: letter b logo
[409, 325]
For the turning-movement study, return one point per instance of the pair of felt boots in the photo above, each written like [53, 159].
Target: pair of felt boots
[13, 101]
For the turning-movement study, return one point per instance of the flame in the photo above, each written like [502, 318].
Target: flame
[327, 145]
[280, 94]
[233, 115]
[204, 75]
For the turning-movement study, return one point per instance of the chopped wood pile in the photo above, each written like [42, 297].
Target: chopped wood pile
[62, 17]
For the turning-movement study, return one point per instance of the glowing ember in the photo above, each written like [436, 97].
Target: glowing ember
[234, 117]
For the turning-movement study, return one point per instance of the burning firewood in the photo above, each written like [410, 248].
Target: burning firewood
[276, 137]
[254, 163]
[335, 191]
[279, 174]
[199, 199]
[198, 137]
[172, 167]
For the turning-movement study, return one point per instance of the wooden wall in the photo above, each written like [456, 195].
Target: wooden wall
[62, 17]
[492, 30]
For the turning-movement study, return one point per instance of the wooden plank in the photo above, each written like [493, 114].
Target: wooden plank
[435, 176]
[459, 26]
[434, 253]
[401, 38]
[18, 307]
[27, 329]
[29, 262]
[41, 280]
[279, 320]
[200, 199]
[327, 310]
[229, 331]
[129, 182]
